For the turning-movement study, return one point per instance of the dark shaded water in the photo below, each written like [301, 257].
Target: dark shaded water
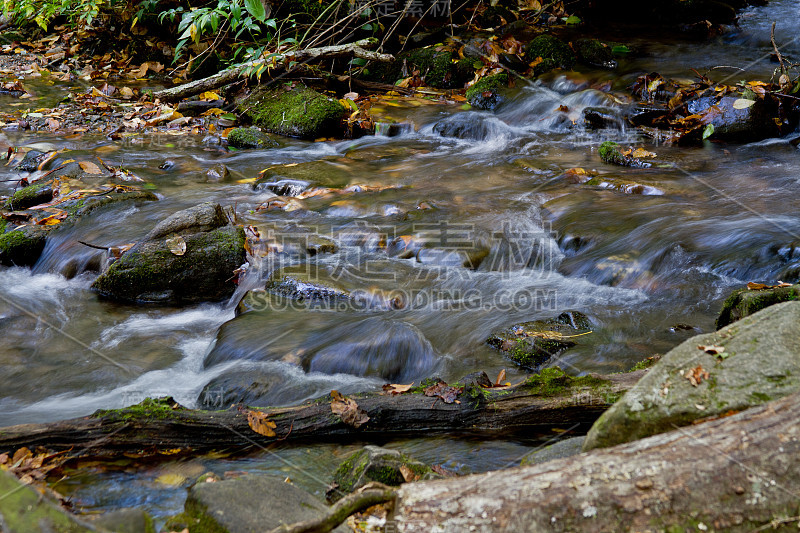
[716, 217]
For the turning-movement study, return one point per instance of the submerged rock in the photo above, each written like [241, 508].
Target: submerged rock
[745, 302]
[373, 463]
[250, 138]
[489, 92]
[557, 450]
[297, 112]
[744, 364]
[531, 344]
[292, 179]
[154, 270]
[554, 53]
[247, 504]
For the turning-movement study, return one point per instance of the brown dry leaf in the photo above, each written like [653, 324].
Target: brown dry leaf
[348, 410]
[394, 388]
[260, 423]
[712, 349]
[408, 474]
[90, 168]
[500, 378]
[176, 245]
[126, 93]
[696, 375]
[52, 220]
[20, 455]
[756, 286]
[444, 391]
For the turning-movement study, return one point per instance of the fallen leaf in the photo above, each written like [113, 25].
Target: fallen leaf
[260, 423]
[444, 391]
[500, 377]
[712, 349]
[90, 168]
[176, 245]
[171, 480]
[696, 375]
[641, 152]
[408, 474]
[397, 389]
[348, 410]
[743, 103]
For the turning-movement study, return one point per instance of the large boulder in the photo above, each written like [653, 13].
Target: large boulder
[189, 257]
[745, 302]
[373, 463]
[248, 504]
[744, 364]
[296, 112]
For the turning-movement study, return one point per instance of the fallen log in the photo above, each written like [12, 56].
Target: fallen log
[155, 427]
[738, 473]
[274, 65]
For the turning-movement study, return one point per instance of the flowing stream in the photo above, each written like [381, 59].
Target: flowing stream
[638, 261]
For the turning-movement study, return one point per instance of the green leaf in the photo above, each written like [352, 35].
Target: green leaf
[228, 116]
[367, 27]
[358, 62]
[466, 107]
[256, 8]
[573, 20]
[620, 49]
[477, 64]
[708, 132]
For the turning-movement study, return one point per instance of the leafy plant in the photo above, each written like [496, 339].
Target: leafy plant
[246, 19]
[42, 12]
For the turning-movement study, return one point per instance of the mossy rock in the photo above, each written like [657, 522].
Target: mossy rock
[554, 52]
[35, 194]
[531, 344]
[595, 53]
[745, 302]
[151, 273]
[294, 112]
[609, 152]
[250, 138]
[437, 68]
[125, 521]
[281, 179]
[489, 92]
[203, 217]
[24, 509]
[22, 246]
[750, 362]
[373, 463]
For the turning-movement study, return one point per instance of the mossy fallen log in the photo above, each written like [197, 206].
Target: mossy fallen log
[543, 402]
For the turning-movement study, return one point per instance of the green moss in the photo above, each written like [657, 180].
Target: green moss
[745, 302]
[437, 68]
[249, 138]
[647, 363]
[298, 112]
[554, 382]
[147, 409]
[554, 52]
[609, 152]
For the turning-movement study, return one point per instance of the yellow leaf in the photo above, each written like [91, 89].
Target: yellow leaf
[172, 480]
[641, 152]
[210, 96]
[260, 423]
[743, 103]
[90, 168]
